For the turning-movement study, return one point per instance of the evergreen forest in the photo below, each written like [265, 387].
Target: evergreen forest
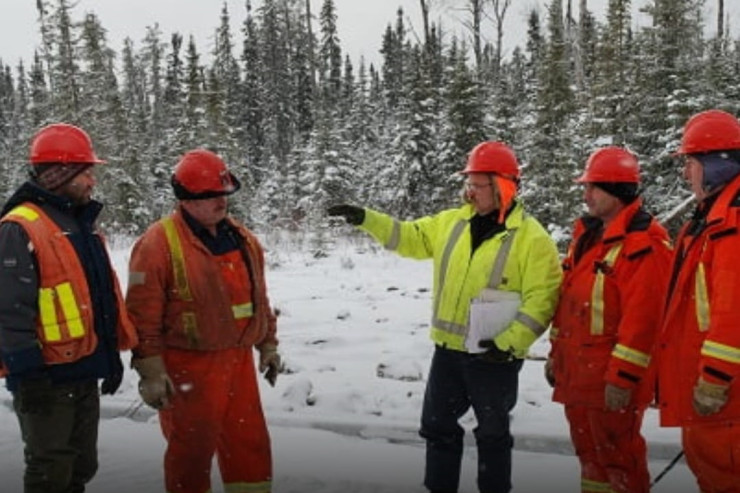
[302, 125]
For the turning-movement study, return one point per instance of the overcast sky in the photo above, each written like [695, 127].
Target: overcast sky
[361, 22]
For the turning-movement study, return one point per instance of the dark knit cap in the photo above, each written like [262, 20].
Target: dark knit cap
[53, 176]
[624, 191]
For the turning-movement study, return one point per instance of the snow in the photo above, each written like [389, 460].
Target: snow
[344, 418]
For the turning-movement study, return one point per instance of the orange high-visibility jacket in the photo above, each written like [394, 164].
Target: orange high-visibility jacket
[65, 321]
[609, 310]
[701, 328]
[178, 297]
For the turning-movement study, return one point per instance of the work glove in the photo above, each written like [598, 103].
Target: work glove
[616, 398]
[155, 386]
[270, 362]
[493, 354]
[550, 372]
[709, 397]
[34, 395]
[352, 214]
[111, 384]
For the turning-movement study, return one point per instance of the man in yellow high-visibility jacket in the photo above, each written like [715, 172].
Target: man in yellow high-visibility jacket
[496, 281]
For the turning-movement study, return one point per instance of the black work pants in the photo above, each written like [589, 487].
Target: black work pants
[456, 382]
[60, 438]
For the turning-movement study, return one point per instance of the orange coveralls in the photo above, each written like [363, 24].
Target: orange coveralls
[603, 332]
[701, 338]
[204, 313]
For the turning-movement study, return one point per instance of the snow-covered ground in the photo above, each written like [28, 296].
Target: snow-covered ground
[344, 418]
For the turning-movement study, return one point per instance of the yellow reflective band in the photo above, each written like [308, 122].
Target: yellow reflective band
[631, 355]
[178, 259]
[48, 315]
[24, 212]
[597, 292]
[591, 486]
[70, 309]
[261, 487]
[244, 310]
[702, 299]
[190, 326]
[721, 351]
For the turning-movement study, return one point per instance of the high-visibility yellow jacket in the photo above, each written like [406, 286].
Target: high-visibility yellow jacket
[531, 269]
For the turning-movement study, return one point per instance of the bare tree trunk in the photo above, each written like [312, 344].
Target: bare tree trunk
[499, 12]
[311, 49]
[425, 19]
[476, 11]
[720, 18]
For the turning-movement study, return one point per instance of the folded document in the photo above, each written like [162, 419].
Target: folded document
[491, 312]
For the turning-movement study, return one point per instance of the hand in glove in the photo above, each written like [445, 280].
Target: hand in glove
[709, 397]
[113, 381]
[155, 386]
[493, 354]
[352, 214]
[616, 398]
[550, 372]
[270, 362]
[33, 395]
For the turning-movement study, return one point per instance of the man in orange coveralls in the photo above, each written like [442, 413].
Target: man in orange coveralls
[615, 277]
[198, 298]
[698, 350]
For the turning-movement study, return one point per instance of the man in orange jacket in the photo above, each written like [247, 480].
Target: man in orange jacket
[62, 316]
[198, 297]
[615, 277]
[699, 346]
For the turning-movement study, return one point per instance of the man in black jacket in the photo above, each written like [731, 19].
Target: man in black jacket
[62, 320]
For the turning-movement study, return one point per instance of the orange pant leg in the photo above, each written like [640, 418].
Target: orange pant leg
[610, 448]
[713, 455]
[243, 449]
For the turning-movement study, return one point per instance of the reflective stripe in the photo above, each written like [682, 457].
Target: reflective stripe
[48, 312]
[591, 486]
[702, 299]
[597, 292]
[245, 310]
[262, 487]
[721, 351]
[178, 260]
[631, 355]
[70, 309]
[444, 262]
[25, 212]
[451, 327]
[48, 315]
[497, 273]
[395, 238]
[190, 327]
[531, 323]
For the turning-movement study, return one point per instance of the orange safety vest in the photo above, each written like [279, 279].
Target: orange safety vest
[609, 311]
[211, 301]
[65, 322]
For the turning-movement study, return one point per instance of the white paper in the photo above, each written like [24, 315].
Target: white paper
[490, 314]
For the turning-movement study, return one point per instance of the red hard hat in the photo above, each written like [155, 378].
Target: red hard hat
[708, 131]
[492, 157]
[611, 164]
[202, 174]
[62, 143]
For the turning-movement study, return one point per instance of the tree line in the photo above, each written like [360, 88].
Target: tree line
[302, 125]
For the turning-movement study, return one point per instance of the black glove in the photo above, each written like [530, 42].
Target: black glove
[494, 354]
[352, 214]
[34, 395]
[111, 384]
